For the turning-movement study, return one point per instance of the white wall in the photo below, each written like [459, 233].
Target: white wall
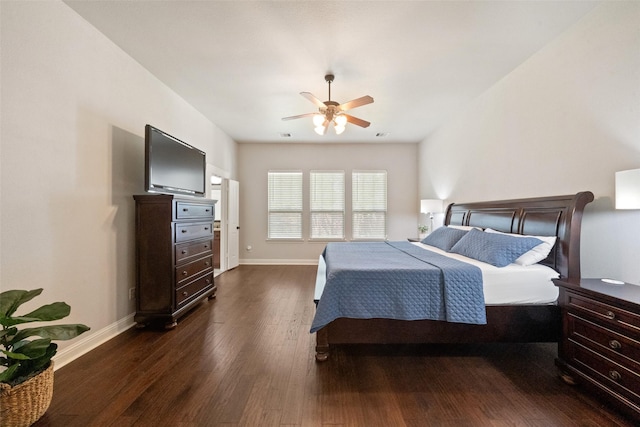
[74, 107]
[564, 121]
[255, 160]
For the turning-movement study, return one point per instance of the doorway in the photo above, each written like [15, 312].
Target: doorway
[226, 243]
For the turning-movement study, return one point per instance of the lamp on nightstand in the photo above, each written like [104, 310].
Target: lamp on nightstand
[628, 189]
[430, 207]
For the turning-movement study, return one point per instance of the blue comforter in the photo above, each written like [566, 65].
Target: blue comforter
[398, 280]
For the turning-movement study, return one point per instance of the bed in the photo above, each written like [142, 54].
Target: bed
[523, 321]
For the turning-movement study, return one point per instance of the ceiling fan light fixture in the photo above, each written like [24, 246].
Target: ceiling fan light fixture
[341, 120]
[319, 130]
[318, 120]
[339, 129]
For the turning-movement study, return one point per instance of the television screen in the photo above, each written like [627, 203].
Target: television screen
[173, 166]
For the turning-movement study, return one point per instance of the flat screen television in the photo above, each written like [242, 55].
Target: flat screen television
[173, 166]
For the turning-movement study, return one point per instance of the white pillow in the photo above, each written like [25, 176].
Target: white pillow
[537, 253]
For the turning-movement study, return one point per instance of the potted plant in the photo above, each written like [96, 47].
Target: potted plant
[26, 377]
[423, 229]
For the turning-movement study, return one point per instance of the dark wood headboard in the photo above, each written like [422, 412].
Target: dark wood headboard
[559, 216]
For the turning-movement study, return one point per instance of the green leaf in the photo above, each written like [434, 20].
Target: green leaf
[55, 311]
[15, 356]
[54, 332]
[11, 300]
[7, 332]
[43, 362]
[8, 374]
[31, 350]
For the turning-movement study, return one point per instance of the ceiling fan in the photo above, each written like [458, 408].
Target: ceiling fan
[332, 112]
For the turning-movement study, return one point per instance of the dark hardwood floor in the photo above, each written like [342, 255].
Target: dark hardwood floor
[247, 359]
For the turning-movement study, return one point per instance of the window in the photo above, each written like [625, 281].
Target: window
[285, 205]
[326, 202]
[369, 204]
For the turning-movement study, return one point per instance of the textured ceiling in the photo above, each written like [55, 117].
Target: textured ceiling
[243, 64]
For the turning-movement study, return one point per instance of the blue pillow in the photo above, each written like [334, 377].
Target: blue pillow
[444, 238]
[495, 249]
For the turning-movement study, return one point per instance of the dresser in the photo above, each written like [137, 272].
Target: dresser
[600, 346]
[174, 256]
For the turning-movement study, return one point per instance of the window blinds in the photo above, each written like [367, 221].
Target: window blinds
[326, 193]
[285, 205]
[369, 204]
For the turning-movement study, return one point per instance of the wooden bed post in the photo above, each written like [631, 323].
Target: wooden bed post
[322, 345]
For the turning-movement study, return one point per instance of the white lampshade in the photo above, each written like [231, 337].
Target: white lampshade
[628, 189]
[431, 206]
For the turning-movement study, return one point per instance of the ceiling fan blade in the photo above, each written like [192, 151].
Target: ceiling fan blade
[299, 116]
[356, 121]
[313, 99]
[356, 103]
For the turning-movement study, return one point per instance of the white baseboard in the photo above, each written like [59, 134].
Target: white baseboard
[82, 346]
[279, 261]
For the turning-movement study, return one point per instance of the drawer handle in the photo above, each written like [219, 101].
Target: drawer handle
[610, 315]
[185, 293]
[208, 280]
[206, 228]
[206, 246]
[185, 209]
[615, 344]
[207, 210]
[184, 231]
[206, 263]
[184, 273]
[615, 375]
[184, 252]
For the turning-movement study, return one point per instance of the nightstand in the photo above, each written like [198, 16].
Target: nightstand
[600, 345]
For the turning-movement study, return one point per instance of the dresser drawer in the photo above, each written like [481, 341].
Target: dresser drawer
[186, 232]
[605, 371]
[601, 312]
[188, 250]
[185, 210]
[621, 348]
[192, 289]
[187, 271]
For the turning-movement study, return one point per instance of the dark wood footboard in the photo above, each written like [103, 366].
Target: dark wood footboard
[522, 323]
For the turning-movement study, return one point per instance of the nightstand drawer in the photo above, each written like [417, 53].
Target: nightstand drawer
[623, 349]
[605, 371]
[613, 316]
[600, 346]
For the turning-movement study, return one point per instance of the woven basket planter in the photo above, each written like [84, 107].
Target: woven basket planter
[24, 404]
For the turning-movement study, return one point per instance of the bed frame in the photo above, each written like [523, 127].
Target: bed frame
[559, 216]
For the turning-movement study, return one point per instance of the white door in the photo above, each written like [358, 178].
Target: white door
[233, 223]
